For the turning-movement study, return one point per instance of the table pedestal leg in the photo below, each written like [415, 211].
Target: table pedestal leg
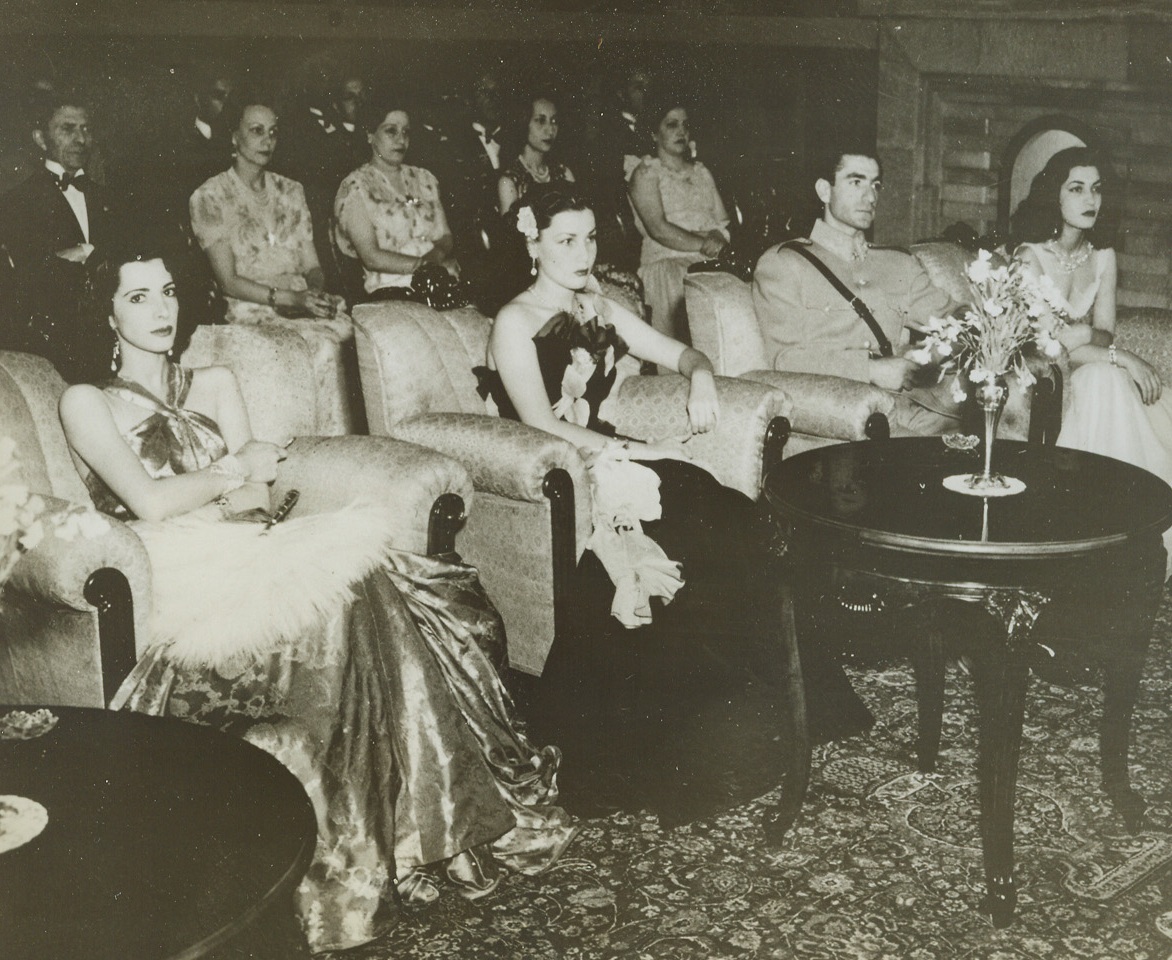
[795, 736]
[1000, 677]
[928, 664]
[1121, 681]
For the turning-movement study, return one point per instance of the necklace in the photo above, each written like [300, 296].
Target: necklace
[1069, 262]
[538, 177]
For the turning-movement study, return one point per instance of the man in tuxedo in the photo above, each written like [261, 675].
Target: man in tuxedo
[205, 148]
[52, 225]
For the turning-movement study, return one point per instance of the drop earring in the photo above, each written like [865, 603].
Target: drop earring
[533, 268]
[114, 360]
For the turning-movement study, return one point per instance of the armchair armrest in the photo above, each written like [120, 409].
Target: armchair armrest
[504, 457]
[332, 472]
[835, 408]
[57, 571]
[654, 408]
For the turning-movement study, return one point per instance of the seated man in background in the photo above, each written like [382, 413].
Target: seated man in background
[51, 225]
[835, 304]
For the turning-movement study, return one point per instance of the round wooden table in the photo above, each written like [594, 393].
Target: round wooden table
[1072, 568]
[165, 839]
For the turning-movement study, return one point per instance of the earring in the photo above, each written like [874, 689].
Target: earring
[171, 354]
[533, 268]
[117, 357]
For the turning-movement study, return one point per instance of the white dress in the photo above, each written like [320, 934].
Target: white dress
[1106, 414]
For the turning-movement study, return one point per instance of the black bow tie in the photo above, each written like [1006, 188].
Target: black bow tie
[67, 180]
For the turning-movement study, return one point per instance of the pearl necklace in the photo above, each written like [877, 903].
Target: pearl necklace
[1069, 262]
[538, 177]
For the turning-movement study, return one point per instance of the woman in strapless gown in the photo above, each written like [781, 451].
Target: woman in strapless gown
[672, 662]
[1118, 406]
[370, 673]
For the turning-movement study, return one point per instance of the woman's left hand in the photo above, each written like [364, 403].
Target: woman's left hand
[1144, 375]
[319, 303]
[703, 404]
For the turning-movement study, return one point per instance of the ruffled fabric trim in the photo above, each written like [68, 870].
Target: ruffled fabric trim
[623, 494]
[310, 563]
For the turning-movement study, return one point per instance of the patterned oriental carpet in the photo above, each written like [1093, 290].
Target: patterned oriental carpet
[884, 863]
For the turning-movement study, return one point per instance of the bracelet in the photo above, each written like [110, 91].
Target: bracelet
[232, 470]
[273, 297]
[1111, 356]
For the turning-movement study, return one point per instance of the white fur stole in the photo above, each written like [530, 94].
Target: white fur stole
[225, 591]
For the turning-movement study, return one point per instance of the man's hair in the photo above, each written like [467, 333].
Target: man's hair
[45, 102]
[828, 162]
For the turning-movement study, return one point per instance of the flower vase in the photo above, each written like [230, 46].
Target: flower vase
[991, 395]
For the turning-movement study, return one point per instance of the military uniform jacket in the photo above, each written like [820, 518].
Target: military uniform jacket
[809, 327]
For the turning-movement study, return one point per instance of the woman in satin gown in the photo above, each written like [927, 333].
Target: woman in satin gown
[380, 691]
[1118, 406]
[640, 689]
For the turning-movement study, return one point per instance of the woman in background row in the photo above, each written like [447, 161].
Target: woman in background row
[534, 164]
[678, 211]
[369, 672]
[254, 225]
[1118, 406]
[387, 213]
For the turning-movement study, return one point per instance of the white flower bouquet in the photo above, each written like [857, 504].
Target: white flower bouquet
[1010, 311]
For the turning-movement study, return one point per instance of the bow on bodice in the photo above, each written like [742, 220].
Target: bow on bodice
[169, 441]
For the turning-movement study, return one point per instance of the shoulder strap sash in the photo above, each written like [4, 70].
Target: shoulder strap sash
[885, 349]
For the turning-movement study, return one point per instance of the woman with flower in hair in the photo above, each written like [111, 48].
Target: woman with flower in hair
[1118, 405]
[676, 595]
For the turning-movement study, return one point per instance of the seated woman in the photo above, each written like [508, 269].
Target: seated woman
[255, 228]
[641, 704]
[535, 166]
[370, 673]
[679, 212]
[1118, 406]
[534, 163]
[387, 213]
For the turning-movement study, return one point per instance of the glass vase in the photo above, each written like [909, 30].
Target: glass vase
[991, 396]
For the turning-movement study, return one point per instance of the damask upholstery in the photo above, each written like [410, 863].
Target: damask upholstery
[416, 370]
[826, 409]
[1147, 332]
[53, 645]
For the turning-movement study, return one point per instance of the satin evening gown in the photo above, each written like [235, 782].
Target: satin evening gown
[647, 715]
[389, 709]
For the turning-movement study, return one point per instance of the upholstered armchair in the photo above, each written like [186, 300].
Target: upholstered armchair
[71, 611]
[532, 515]
[829, 409]
[824, 409]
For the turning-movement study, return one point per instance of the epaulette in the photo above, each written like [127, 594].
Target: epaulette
[796, 242]
[876, 246]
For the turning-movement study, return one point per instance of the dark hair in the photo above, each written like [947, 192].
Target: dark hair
[828, 161]
[517, 132]
[240, 99]
[382, 101]
[44, 102]
[658, 102]
[1039, 216]
[547, 200]
[103, 276]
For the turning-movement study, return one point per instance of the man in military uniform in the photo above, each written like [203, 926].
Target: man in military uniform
[809, 326]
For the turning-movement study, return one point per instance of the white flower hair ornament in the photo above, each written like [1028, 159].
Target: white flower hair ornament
[527, 223]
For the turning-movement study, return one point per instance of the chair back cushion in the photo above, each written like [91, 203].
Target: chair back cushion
[414, 360]
[723, 323]
[1147, 332]
[29, 393]
[275, 370]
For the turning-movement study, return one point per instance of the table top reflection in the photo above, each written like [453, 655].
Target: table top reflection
[891, 493]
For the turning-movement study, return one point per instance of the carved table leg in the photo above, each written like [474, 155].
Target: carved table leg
[928, 663]
[795, 735]
[1120, 688]
[1000, 676]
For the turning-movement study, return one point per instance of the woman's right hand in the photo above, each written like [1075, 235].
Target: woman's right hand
[313, 303]
[713, 244]
[259, 459]
[1143, 374]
